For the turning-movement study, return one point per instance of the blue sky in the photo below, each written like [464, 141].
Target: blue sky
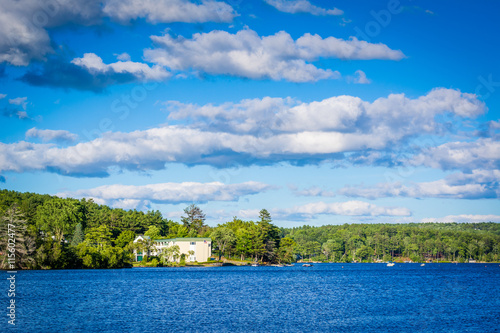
[322, 112]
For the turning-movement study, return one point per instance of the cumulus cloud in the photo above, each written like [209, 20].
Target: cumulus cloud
[276, 57]
[484, 153]
[304, 133]
[90, 73]
[479, 184]
[51, 135]
[123, 56]
[2, 96]
[94, 64]
[372, 123]
[348, 208]
[167, 11]
[302, 6]
[360, 78]
[168, 193]
[24, 24]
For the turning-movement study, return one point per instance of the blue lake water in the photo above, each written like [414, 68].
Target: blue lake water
[322, 298]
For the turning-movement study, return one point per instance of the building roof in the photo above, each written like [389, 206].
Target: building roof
[140, 236]
[187, 239]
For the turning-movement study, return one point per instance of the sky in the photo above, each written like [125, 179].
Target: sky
[321, 112]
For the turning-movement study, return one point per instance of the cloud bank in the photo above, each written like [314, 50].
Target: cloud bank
[276, 57]
[296, 132]
[168, 193]
[479, 184]
[24, 24]
[348, 208]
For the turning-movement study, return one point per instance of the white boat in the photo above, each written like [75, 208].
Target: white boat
[422, 265]
[255, 265]
[307, 265]
[390, 264]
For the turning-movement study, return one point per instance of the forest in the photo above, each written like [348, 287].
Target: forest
[59, 233]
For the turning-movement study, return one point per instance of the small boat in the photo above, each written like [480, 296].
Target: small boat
[422, 264]
[289, 265]
[390, 264]
[307, 265]
[255, 265]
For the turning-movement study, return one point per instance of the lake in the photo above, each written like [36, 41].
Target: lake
[322, 298]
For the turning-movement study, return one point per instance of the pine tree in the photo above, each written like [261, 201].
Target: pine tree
[194, 220]
[78, 236]
[13, 226]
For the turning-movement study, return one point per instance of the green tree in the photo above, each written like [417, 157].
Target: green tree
[330, 248]
[364, 252]
[268, 237]
[13, 226]
[125, 238]
[170, 253]
[98, 237]
[223, 237]
[194, 219]
[153, 232]
[286, 251]
[57, 217]
[78, 235]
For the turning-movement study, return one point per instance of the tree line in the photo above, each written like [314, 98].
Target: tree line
[52, 232]
[454, 242]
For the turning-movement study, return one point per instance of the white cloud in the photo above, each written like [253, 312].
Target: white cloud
[313, 191]
[361, 78]
[95, 65]
[494, 124]
[350, 118]
[304, 132]
[123, 56]
[21, 101]
[310, 211]
[479, 184]
[464, 218]
[348, 208]
[276, 57]
[302, 6]
[484, 153]
[167, 11]
[170, 193]
[51, 135]
[2, 96]
[23, 24]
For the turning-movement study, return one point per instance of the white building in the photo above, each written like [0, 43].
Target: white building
[201, 248]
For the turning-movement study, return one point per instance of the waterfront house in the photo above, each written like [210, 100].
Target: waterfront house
[194, 248]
